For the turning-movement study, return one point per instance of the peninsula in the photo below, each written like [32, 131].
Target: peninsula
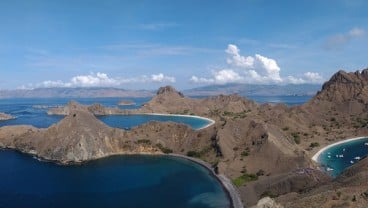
[265, 149]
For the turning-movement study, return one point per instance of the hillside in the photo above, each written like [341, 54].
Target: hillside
[265, 149]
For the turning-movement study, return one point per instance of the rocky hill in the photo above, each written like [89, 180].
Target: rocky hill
[265, 149]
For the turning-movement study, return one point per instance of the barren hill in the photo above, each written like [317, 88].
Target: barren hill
[265, 149]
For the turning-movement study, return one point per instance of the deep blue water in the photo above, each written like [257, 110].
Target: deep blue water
[118, 181]
[341, 156]
[286, 99]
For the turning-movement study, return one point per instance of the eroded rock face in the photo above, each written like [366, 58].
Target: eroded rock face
[168, 90]
[343, 87]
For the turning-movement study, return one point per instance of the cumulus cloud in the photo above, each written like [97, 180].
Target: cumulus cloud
[162, 78]
[257, 67]
[338, 41]
[253, 69]
[220, 77]
[308, 77]
[103, 80]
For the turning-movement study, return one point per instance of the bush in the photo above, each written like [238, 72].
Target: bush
[164, 149]
[143, 141]
[314, 144]
[193, 154]
[244, 178]
[296, 137]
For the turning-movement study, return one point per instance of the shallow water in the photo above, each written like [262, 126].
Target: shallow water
[337, 158]
[118, 181]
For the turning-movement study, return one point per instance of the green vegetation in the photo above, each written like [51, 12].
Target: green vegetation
[296, 137]
[235, 115]
[361, 123]
[143, 141]
[200, 153]
[285, 128]
[164, 149]
[314, 144]
[239, 181]
[245, 152]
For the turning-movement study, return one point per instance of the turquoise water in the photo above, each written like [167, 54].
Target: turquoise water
[118, 181]
[34, 112]
[337, 158]
[129, 121]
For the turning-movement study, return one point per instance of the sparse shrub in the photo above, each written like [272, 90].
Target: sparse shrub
[143, 141]
[260, 172]
[164, 149]
[314, 144]
[296, 137]
[239, 181]
[285, 128]
[193, 153]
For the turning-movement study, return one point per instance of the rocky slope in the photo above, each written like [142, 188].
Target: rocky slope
[265, 149]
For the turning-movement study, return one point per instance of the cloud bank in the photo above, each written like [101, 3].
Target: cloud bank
[257, 69]
[103, 80]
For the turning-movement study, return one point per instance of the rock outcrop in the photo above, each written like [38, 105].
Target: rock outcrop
[4, 116]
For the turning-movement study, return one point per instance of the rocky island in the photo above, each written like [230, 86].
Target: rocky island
[4, 117]
[265, 149]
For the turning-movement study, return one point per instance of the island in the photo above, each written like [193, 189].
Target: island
[126, 102]
[266, 150]
[4, 117]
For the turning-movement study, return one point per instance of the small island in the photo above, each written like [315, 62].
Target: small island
[126, 102]
[4, 117]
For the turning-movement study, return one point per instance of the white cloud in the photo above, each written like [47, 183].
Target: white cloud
[308, 77]
[162, 78]
[103, 80]
[313, 77]
[257, 69]
[219, 77]
[339, 40]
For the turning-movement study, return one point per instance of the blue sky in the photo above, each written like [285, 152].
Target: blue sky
[146, 44]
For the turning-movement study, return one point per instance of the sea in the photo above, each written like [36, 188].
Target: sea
[337, 158]
[117, 181]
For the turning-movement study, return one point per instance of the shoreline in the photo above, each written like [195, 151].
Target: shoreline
[211, 121]
[316, 156]
[231, 192]
[226, 184]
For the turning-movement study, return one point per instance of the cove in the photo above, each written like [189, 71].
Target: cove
[116, 181]
[335, 158]
[130, 121]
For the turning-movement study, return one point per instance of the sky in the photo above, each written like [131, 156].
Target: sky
[185, 43]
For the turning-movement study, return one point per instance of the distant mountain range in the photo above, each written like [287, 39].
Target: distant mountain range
[241, 89]
[250, 90]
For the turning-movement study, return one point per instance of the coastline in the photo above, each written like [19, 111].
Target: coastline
[211, 122]
[316, 156]
[226, 184]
